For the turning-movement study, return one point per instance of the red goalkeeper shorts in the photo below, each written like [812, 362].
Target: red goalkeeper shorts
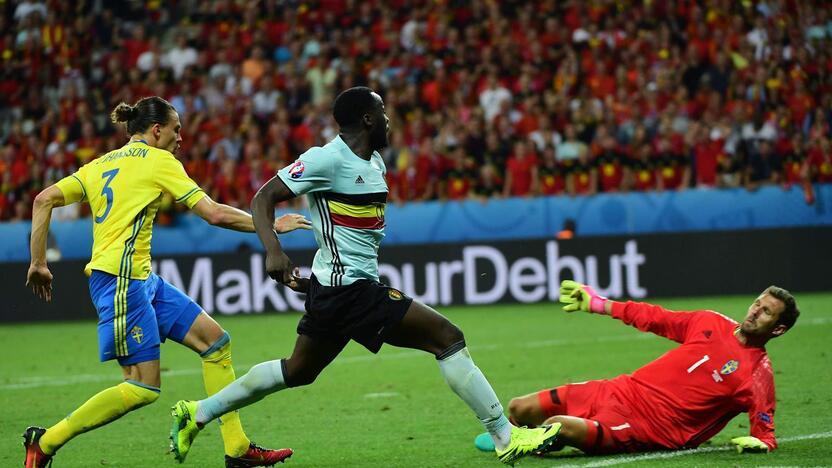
[617, 430]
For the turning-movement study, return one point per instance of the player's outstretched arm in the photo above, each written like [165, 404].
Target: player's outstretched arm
[278, 265]
[218, 214]
[39, 278]
[646, 317]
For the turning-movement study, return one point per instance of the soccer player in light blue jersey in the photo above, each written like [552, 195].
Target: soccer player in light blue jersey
[344, 183]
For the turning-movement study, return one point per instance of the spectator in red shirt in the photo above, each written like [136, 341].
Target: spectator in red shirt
[134, 46]
[611, 165]
[521, 172]
[707, 149]
[417, 181]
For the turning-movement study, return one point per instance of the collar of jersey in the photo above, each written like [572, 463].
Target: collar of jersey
[345, 147]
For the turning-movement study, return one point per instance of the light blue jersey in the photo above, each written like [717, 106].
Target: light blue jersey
[347, 195]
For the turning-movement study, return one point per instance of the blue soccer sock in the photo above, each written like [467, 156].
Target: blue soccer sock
[263, 379]
[467, 381]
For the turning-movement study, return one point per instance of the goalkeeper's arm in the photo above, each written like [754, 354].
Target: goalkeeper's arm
[646, 317]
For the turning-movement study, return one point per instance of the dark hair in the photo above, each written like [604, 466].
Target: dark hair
[351, 105]
[790, 311]
[144, 113]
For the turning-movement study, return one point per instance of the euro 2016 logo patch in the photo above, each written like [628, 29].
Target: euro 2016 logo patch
[729, 367]
[296, 171]
[394, 294]
[137, 334]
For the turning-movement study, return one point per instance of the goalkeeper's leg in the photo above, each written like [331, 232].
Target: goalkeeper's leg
[575, 407]
[533, 409]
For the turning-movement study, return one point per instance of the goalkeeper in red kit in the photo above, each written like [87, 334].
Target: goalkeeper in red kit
[681, 399]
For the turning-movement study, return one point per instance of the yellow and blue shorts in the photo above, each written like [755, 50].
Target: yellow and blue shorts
[136, 316]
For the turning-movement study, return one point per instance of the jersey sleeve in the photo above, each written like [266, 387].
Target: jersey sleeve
[656, 319]
[73, 188]
[170, 176]
[313, 171]
[763, 402]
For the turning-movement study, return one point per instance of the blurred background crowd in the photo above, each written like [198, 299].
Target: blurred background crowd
[486, 98]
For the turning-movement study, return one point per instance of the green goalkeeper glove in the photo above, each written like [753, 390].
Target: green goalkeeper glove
[749, 444]
[579, 296]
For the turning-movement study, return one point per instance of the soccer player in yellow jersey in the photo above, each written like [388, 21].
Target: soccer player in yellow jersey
[138, 310]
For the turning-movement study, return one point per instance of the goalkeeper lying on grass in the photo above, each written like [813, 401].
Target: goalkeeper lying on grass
[679, 400]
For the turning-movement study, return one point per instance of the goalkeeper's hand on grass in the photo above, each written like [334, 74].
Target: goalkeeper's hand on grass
[749, 444]
[579, 296]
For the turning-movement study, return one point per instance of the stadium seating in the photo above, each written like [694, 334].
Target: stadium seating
[487, 99]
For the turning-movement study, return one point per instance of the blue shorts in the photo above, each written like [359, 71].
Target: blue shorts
[136, 316]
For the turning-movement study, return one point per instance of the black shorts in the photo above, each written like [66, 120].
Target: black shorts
[364, 311]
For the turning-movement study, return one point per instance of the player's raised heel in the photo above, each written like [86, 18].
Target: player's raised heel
[184, 429]
[35, 458]
[525, 441]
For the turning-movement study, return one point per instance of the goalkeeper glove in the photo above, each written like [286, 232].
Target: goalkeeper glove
[579, 296]
[749, 444]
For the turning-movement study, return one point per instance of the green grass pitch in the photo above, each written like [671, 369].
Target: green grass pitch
[394, 409]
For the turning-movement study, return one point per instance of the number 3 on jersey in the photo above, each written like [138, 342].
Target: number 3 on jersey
[107, 192]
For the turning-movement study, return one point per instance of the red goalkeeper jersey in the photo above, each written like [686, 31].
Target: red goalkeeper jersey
[690, 393]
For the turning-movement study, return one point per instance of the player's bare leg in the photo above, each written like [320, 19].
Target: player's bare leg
[147, 373]
[575, 431]
[527, 410]
[425, 329]
[309, 358]
[204, 332]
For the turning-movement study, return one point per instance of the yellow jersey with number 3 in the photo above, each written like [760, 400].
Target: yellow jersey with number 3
[124, 189]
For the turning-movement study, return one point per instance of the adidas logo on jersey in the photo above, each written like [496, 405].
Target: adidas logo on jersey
[359, 180]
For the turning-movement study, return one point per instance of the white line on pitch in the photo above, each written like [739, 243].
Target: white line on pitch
[681, 453]
[381, 395]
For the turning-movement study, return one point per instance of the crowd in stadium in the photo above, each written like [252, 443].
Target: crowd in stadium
[486, 99]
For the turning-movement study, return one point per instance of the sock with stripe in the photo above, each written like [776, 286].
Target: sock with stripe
[263, 379]
[105, 407]
[467, 381]
[217, 373]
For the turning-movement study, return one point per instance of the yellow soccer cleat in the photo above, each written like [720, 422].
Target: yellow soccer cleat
[525, 441]
[184, 429]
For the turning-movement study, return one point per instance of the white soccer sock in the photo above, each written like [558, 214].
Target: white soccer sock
[263, 379]
[467, 381]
